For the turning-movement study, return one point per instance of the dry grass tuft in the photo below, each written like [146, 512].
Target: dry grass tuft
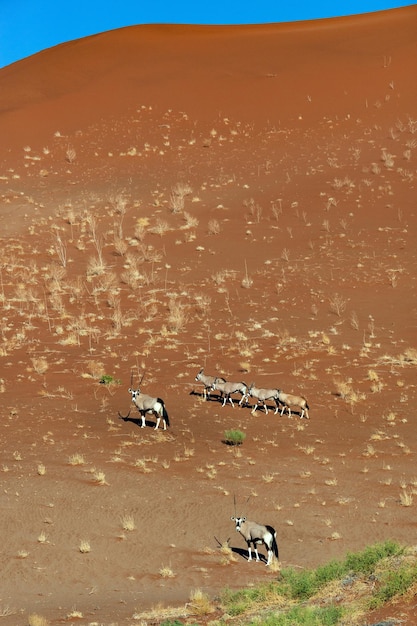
[406, 498]
[200, 603]
[37, 620]
[76, 459]
[84, 546]
[41, 469]
[99, 478]
[166, 572]
[128, 522]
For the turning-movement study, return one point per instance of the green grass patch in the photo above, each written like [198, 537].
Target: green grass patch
[290, 593]
[234, 437]
[303, 616]
[393, 583]
[106, 379]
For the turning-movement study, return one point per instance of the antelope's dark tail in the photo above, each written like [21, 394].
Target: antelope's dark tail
[274, 545]
[164, 411]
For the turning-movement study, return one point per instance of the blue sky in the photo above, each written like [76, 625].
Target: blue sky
[29, 26]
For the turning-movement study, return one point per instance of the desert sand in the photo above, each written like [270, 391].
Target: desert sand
[240, 199]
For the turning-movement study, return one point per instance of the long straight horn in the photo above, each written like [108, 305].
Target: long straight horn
[143, 376]
[131, 379]
[234, 501]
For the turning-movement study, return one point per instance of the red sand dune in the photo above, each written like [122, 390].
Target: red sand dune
[256, 73]
[239, 198]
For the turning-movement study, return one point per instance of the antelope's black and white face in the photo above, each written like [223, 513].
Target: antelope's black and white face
[238, 522]
[198, 377]
[135, 393]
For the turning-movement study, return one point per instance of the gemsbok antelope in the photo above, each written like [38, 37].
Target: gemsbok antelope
[255, 534]
[228, 388]
[207, 382]
[148, 404]
[288, 400]
[262, 395]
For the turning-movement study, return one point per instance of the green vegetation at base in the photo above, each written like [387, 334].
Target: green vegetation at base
[303, 616]
[327, 596]
[295, 597]
[394, 583]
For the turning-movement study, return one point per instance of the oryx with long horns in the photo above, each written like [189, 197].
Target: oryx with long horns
[207, 381]
[148, 404]
[257, 534]
[261, 396]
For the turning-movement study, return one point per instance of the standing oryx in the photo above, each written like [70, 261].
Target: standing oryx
[147, 404]
[262, 395]
[288, 400]
[207, 382]
[228, 388]
[255, 534]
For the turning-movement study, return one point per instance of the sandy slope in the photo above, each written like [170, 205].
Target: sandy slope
[239, 198]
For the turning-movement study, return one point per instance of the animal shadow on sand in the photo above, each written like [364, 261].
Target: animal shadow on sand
[245, 555]
[210, 398]
[137, 421]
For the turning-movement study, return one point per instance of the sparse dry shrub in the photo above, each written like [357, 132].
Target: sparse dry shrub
[160, 228]
[354, 321]
[132, 277]
[190, 220]
[40, 365]
[227, 555]
[96, 369]
[76, 459]
[387, 159]
[70, 154]
[255, 210]
[117, 319]
[61, 250]
[99, 478]
[37, 620]
[120, 245]
[128, 522]
[95, 266]
[285, 254]
[84, 546]
[340, 183]
[247, 282]
[347, 393]
[177, 317]
[54, 274]
[140, 228]
[41, 469]
[406, 498]
[337, 304]
[410, 356]
[22, 554]
[166, 572]
[390, 418]
[213, 227]
[277, 209]
[177, 198]
[108, 282]
[200, 603]
[203, 303]
[119, 202]
[142, 465]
